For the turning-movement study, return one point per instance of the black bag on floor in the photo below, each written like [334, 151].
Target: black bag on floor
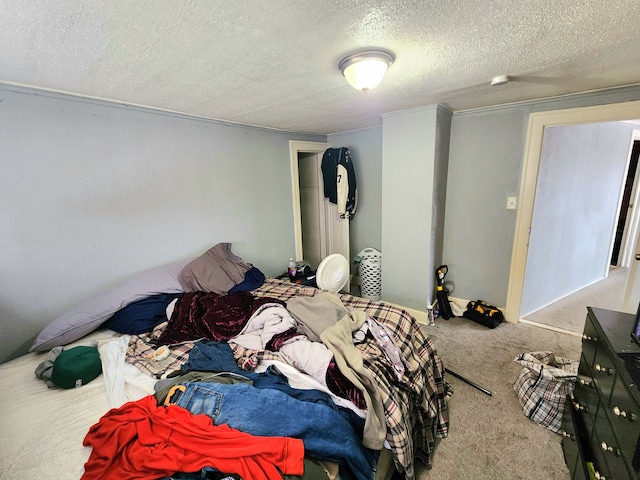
[480, 312]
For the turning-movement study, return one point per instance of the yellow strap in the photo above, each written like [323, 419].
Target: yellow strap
[175, 389]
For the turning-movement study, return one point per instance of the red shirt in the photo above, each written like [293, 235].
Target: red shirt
[144, 441]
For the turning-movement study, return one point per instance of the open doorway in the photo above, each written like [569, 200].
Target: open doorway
[578, 195]
[624, 227]
[318, 227]
[537, 124]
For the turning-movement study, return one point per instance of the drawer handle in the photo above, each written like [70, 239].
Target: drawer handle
[608, 448]
[568, 435]
[599, 368]
[587, 337]
[585, 382]
[621, 413]
[579, 407]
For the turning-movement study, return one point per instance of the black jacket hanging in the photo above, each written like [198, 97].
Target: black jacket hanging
[339, 179]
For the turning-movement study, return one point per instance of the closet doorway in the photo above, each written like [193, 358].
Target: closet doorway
[319, 231]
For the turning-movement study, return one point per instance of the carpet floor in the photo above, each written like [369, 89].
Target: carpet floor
[607, 293]
[489, 436]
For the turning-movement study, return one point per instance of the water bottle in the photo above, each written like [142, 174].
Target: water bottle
[291, 268]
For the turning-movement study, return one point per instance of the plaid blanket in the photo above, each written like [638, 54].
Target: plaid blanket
[415, 407]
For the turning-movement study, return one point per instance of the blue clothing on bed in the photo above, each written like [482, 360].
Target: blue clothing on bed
[211, 356]
[253, 279]
[143, 315]
[326, 434]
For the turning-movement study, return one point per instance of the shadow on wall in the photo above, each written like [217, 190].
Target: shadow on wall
[15, 325]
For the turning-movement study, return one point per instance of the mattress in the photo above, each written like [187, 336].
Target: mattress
[48, 425]
[44, 428]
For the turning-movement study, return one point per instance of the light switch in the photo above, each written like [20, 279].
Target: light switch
[512, 203]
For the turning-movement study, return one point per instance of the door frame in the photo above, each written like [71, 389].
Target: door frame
[296, 147]
[625, 256]
[538, 121]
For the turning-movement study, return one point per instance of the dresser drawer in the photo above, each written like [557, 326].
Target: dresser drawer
[608, 452]
[624, 417]
[585, 399]
[590, 341]
[604, 373]
[570, 446]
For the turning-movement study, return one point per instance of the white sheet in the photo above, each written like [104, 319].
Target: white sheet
[42, 429]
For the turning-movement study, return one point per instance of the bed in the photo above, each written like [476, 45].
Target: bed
[375, 405]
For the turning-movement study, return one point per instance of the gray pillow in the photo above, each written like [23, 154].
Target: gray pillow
[93, 312]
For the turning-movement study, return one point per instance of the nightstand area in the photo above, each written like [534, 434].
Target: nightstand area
[601, 423]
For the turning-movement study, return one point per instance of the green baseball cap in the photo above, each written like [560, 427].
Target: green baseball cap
[76, 366]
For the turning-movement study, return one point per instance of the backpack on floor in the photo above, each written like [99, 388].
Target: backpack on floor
[483, 313]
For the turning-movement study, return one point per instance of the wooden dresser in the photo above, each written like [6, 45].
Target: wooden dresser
[601, 422]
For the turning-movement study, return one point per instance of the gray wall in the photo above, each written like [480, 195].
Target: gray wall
[485, 163]
[414, 155]
[91, 193]
[484, 167]
[582, 171]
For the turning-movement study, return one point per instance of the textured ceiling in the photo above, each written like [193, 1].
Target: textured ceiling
[274, 63]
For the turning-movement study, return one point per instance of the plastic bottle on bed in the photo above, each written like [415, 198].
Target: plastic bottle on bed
[291, 268]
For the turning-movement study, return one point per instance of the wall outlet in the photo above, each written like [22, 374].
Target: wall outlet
[512, 203]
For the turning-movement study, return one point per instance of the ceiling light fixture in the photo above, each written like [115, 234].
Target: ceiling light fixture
[365, 70]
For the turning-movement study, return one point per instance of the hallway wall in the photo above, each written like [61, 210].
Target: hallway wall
[581, 176]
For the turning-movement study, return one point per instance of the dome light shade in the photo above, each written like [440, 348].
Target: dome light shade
[365, 70]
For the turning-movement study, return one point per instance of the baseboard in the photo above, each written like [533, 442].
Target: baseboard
[550, 327]
[423, 317]
[420, 316]
[461, 303]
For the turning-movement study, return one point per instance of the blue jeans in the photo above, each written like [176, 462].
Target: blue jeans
[210, 356]
[266, 412]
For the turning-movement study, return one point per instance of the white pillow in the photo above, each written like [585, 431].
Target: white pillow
[93, 312]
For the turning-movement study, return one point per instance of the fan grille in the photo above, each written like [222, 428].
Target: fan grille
[333, 273]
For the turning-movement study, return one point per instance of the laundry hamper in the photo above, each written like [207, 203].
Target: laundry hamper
[369, 263]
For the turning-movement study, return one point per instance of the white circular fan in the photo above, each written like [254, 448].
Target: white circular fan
[333, 273]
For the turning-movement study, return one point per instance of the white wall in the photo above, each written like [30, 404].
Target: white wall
[91, 193]
[581, 174]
